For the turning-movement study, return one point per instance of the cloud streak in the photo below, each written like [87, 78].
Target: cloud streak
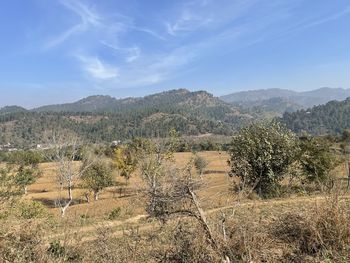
[88, 18]
[185, 33]
[98, 69]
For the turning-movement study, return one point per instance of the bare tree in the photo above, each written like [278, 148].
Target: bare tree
[65, 151]
[171, 193]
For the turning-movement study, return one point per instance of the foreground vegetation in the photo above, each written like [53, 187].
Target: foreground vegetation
[285, 201]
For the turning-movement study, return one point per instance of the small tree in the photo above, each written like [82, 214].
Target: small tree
[316, 159]
[26, 158]
[97, 177]
[200, 163]
[8, 188]
[260, 155]
[172, 192]
[26, 176]
[126, 161]
[28, 168]
[65, 150]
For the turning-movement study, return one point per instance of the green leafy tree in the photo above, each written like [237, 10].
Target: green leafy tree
[8, 188]
[26, 176]
[97, 177]
[261, 154]
[126, 161]
[200, 163]
[316, 159]
[26, 158]
[28, 170]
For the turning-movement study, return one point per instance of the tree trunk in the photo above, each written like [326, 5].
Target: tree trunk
[348, 168]
[64, 208]
[203, 220]
[96, 195]
[87, 197]
[70, 191]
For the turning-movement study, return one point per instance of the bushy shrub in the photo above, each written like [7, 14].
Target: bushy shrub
[260, 154]
[56, 249]
[322, 232]
[31, 210]
[114, 214]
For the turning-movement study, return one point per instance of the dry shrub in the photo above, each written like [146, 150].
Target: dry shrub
[108, 248]
[185, 242]
[248, 241]
[104, 249]
[23, 243]
[324, 232]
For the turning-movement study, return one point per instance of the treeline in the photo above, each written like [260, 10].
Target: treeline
[26, 129]
[331, 118]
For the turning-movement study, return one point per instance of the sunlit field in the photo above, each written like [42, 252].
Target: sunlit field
[125, 194]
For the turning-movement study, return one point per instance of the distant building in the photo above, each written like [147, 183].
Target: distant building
[116, 143]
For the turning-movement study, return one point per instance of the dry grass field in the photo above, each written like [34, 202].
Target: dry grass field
[215, 195]
[45, 190]
[252, 219]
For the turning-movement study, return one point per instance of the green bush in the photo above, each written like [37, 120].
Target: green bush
[114, 214]
[260, 156]
[56, 249]
[31, 209]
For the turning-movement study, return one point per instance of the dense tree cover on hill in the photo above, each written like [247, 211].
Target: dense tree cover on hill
[190, 113]
[305, 99]
[269, 103]
[333, 117]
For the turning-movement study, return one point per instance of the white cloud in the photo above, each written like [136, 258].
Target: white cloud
[188, 21]
[134, 54]
[97, 69]
[88, 19]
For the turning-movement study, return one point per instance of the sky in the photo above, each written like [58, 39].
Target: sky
[55, 51]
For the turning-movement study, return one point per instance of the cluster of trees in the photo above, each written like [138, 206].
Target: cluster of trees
[331, 118]
[261, 156]
[26, 129]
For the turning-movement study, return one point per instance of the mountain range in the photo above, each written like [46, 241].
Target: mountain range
[104, 118]
[281, 100]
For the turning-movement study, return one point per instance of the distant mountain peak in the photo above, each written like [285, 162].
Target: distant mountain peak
[12, 109]
[303, 98]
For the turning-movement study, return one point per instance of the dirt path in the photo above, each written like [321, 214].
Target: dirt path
[148, 225]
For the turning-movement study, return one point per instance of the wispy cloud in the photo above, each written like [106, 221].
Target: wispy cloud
[323, 20]
[184, 33]
[88, 19]
[134, 54]
[147, 31]
[131, 53]
[188, 21]
[98, 69]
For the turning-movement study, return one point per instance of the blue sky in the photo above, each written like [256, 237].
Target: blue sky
[54, 51]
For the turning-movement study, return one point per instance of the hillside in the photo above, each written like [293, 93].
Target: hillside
[104, 119]
[11, 109]
[332, 117]
[280, 100]
[89, 104]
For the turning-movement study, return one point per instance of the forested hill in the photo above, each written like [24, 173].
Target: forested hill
[332, 117]
[278, 101]
[104, 119]
[11, 109]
